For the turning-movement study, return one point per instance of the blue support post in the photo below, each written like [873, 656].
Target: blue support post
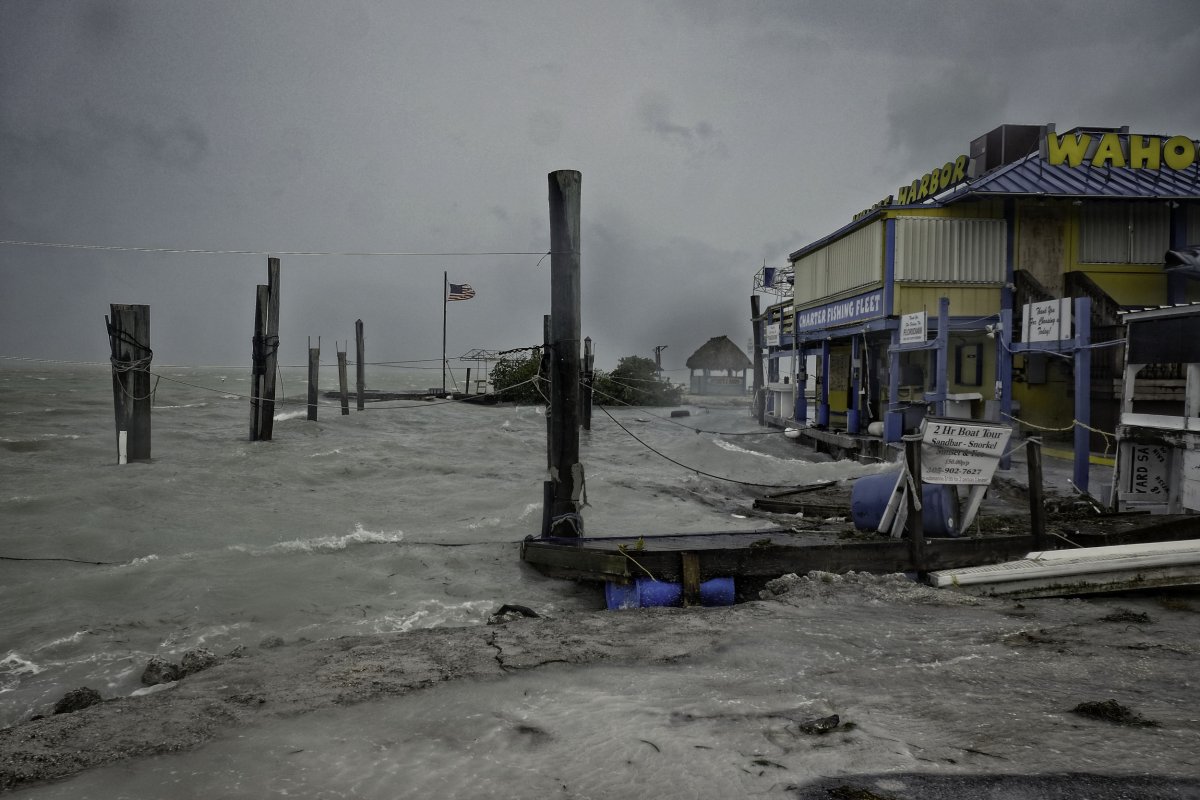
[943, 346]
[1004, 373]
[801, 386]
[1083, 390]
[893, 423]
[823, 402]
[855, 399]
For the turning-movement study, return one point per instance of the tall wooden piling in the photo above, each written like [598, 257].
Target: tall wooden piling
[760, 397]
[129, 342]
[342, 382]
[314, 368]
[270, 350]
[565, 470]
[258, 362]
[360, 367]
[265, 355]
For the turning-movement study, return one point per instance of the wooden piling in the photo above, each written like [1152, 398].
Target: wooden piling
[760, 397]
[129, 342]
[258, 362]
[916, 521]
[1037, 508]
[589, 375]
[270, 351]
[565, 471]
[342, 382]
[467, 389]
[360, 368]
[314, 367]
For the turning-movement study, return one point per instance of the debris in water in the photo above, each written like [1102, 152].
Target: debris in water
[77, 699]
[1112, 711]
[820, 726]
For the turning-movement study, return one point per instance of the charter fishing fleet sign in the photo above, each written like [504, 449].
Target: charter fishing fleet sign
[961, 451]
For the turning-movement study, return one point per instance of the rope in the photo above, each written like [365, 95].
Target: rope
[1074, 423]
[693, 469]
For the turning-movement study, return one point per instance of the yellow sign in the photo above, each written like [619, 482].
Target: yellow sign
[937, 180]
[1119, 150]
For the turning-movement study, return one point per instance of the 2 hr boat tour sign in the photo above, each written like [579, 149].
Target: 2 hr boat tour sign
[961, 451]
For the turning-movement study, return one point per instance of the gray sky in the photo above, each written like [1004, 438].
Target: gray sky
[711, 136]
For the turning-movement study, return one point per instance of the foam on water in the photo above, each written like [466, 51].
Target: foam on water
[325, 544]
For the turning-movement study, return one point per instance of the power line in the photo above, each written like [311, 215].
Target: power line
[201, 251]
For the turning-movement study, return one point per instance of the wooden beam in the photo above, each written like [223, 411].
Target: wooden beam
[566, 472]
[129, 342]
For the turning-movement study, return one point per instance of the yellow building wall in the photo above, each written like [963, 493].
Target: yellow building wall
[965, 301]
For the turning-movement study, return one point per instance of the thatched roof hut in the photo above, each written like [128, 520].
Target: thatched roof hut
[719, 353]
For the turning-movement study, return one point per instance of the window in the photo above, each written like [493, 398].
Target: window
[1124, 233]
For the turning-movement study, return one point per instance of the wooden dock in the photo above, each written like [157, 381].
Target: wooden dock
[758, 556]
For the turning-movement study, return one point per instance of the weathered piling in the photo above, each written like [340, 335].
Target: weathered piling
[270, 350]
[565, 470]
[258, 362]
[314, 367]
[129, 342]
[360, 367]
[760, 398]
[341, 354]
[589, 376]
[916, 521]
[265, 355]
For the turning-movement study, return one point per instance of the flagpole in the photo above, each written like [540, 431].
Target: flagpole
[445, 293]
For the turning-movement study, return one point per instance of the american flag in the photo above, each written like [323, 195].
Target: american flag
[460, 291]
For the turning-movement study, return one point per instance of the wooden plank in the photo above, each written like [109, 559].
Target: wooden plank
[690, 567]
[270, 351]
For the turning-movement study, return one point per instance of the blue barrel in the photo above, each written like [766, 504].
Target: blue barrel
[649, 593]
[870, 494]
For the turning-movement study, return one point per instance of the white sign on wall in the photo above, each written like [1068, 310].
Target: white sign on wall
[913, 327]
[961, 452]
[773, 334]
[1047, 322]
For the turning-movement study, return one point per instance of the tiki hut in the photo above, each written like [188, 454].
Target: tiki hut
[718, 354]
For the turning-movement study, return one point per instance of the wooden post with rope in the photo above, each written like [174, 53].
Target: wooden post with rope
[129, 341]
[265, 355]
[565, 470]
[314, 368]
[360, 369]
[342, 383]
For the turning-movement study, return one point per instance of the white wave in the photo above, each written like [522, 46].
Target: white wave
[185, 405]
[72, 639]
[291, 415]
[334, 452]
[233, 397]
[529, 509]
[326, 544]
[13, 667]
[433, 614]
[733, 448]
[137, 562]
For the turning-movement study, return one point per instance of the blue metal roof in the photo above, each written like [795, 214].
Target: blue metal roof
[1033, 176]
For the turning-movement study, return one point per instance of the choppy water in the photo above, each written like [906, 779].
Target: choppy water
[406, 515]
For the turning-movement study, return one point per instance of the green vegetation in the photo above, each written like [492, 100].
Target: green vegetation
[511, 378]
[634, 382]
